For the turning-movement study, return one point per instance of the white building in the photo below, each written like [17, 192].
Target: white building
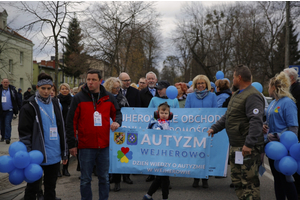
[15, 56]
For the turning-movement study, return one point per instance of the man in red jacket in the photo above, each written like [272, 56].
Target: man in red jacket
[90, 113]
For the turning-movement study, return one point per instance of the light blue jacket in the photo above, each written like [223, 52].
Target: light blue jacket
[210, 101]
[156, 101]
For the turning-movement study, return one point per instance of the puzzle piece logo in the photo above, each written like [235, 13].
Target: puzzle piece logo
[276, 109]
[124, 155]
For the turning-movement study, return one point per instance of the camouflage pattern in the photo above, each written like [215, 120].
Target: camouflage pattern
[245, 177]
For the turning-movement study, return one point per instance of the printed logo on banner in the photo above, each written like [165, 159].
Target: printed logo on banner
[119, 137]
[124, 155]
[132, 138]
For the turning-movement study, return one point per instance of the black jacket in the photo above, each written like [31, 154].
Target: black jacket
[146, 97]
[133, 97]
[295, 91]
[16, 102]
[31, 131]
[27, 95]
[122, 101]
[65, 103]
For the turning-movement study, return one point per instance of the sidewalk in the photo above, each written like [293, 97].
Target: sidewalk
[8, 190]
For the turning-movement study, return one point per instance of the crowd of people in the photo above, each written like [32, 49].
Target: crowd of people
[64, 121]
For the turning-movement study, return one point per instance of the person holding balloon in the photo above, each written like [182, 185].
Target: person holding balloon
[281, 116]
[41, 127]
[169, 97]
[202, 97]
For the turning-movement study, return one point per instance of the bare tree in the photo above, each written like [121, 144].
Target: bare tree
[112, 27]
[46, 15]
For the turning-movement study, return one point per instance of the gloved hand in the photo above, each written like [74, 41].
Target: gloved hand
[273, 137]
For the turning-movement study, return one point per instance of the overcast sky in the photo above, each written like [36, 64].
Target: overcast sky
[168, 9]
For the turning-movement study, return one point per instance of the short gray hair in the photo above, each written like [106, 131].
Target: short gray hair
[151, 72]
[291, 72]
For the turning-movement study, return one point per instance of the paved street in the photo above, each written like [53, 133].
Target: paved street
[68, 187]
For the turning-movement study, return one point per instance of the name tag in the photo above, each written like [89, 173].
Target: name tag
[97, 119]
[4, 99]
[239, 159]
[53, 133]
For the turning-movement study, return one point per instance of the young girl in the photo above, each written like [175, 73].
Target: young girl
[161, 121]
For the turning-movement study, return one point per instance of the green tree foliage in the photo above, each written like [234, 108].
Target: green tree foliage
[75, 57]
[294, 51]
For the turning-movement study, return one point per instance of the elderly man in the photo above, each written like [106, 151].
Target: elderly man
[10, 104]
[132, 94]
[142, 83]
[243, 121]
[150, 91]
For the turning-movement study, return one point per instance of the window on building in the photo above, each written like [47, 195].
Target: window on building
[10, 66]
[21, 83]
[76, 81]
[61, 78]
[21, 58]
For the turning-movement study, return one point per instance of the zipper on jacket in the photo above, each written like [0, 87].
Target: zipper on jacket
[65, 141]
[37, 119]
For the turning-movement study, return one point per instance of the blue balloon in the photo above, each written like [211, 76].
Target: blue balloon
[21, 159]
[288, 138]
[137, 85]
[15, 147]
[33, 172]
[6, 164]
[288, 165]
[16, 176]
[219, 75]
[28, 181]
[226, 79]
[276, 165]
[275, 150]
[295, 151]
[172, 92]
[36, 157]
[190, 83]
[257, 86]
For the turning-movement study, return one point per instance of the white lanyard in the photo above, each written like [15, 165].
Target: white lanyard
[52, 120]
[270, 110]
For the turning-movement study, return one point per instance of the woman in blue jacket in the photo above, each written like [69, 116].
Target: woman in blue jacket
[201, 98]
[281, 115]
[223, 92]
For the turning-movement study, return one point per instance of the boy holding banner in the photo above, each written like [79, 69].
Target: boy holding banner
[161, 121]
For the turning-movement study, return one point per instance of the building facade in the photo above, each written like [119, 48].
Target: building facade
[16, 53]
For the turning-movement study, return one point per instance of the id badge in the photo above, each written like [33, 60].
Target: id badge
[53, 133]
[97, 119]
[3, 99]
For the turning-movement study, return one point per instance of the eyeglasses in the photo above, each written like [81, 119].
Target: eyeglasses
[116, 88]
[142, 83]
[201, 83]
[127, 80]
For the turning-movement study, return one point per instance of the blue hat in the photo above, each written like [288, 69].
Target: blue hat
[19, 89]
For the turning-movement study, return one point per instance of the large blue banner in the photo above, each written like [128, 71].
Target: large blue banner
[159, 152]
[192, 121]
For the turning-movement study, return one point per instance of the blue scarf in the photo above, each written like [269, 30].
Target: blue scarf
[201, 94]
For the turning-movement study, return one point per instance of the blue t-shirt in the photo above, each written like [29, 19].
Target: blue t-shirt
[281, 114]
[156, 101]
[210, 101]
[52, 147]
[8, 104]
